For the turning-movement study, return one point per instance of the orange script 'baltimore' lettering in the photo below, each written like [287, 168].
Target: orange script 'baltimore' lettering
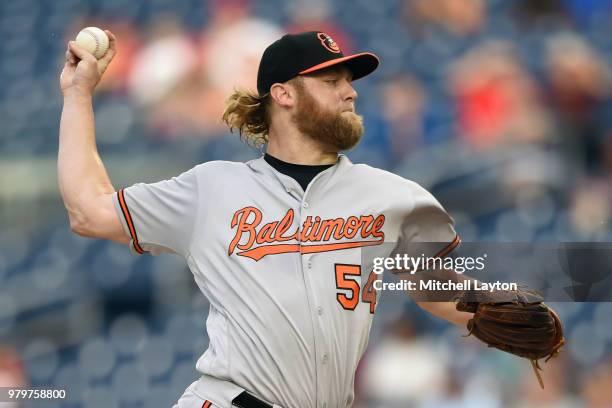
[271, 237]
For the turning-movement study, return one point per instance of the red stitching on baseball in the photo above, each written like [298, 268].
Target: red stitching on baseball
[88, 31]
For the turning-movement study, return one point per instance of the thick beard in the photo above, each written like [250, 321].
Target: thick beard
[333, 129]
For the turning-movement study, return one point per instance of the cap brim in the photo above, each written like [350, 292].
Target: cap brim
[360, 64]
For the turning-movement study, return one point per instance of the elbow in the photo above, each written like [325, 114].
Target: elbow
[97, 219]
[78, 229]
[79, 225]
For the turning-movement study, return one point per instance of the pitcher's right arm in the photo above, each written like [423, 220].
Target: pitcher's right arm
[84, 184]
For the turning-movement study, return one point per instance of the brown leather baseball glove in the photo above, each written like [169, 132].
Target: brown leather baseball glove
[517, 322]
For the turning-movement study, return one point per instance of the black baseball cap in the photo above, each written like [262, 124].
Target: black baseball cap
[297, 54]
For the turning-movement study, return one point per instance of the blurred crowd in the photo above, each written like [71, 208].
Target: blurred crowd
[502, 109]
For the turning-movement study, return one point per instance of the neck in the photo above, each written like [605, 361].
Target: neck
[291, 146]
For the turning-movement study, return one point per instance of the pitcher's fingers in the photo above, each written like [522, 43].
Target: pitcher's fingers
[80, 53]
[112, 47]
[111, 37]
[71, 58]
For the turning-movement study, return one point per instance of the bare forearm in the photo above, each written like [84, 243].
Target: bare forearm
[81, 173]
[439, 302]
[446, 311]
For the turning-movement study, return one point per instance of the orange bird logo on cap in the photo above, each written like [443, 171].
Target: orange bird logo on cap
[328, 43]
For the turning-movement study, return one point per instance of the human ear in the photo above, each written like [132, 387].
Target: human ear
[283, 94]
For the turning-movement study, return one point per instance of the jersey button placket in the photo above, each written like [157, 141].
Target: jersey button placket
[321, 355]
[307, 266]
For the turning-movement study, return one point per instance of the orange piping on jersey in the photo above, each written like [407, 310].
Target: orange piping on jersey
[128, 220]
[447, 250]
[206, 404]
[261, 251]
[455, 242]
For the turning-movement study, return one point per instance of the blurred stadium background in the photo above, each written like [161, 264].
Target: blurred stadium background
[502, 109]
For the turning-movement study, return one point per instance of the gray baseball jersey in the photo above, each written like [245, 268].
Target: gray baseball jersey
[289, 313]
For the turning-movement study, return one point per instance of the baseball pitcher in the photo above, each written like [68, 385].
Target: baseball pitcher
[276, 243]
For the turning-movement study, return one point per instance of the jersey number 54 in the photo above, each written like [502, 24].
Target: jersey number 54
[347, 279]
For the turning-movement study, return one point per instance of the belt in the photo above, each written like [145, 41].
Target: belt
[246, 400]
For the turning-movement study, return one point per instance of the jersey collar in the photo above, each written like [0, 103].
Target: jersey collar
[291, 186]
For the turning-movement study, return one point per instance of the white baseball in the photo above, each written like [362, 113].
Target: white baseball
[94, 40]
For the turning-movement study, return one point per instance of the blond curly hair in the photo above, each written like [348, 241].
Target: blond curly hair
[248, 113]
